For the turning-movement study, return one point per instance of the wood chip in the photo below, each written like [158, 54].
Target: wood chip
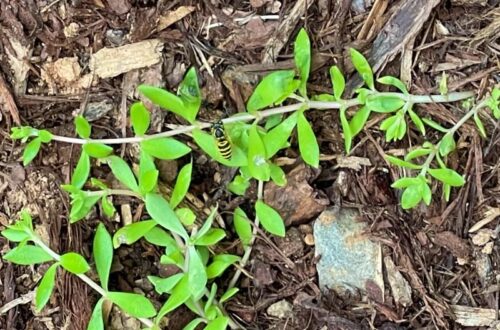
[473, 317]
[488, 216]
[8, 101]
[111, 62]
[173, 16]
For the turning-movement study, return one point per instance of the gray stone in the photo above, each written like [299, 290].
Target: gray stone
[349, 260]
[281, 309]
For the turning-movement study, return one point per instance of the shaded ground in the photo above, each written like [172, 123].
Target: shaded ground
[432, 247]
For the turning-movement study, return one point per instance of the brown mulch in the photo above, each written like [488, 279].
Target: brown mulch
[443, 261]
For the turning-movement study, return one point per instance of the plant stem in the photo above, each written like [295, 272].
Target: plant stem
[319, 105]
[248, 249]
[84, 278]
[121, 192]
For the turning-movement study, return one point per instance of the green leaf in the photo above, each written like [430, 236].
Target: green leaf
[228, 295]
[411, 196]
[197, 275]
[27, 255]
[242, 226]
[399, 162]
[308, 145]
[417, 121]
[140, 118]
[45, 288]
[96, 322]
[165, 148]
[122, 172]
[446, 192]
[213, 236]
[363, 67]
[273, 121]
[435, 125]
[443, 84]
[479, 125]
[162, 213]
[207, 143]
[358, 121]
[102, 248]
[384, 103]
[257, 163]
[74, 263]
[82, 126]
[165, 285]
[277, 175]
[417, 153]
[239, 185]
[193, 324]
[219, 264]
[302, 55]
[189, 92]
[277, 138]
[270, 219]
[405, 183]
[426, 193]
[210, 299]
[31, 151]
[447, 176]
[148, 181]
[164, 99]
[273, 87]
[15, 235]
[180, 294]
[393, 81]
[346, 129]
[219, 323]
[447, 144]
[388, 122]
[186, 216]
[338, 82]
[158, 236]
[98, 184]
[80, 207]
[133, 304]
[181, 185]
[97, 150]
[131, 233]
[82, 171]
[45, 136]
[208, 224]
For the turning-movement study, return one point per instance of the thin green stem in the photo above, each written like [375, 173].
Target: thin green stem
[83, 277]
[319, 105]
[119, 192]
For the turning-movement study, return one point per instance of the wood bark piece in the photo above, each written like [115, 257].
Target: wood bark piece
[173, 16]
[474, 317]
[7, 100]
[111, 62]
[284, 30]
[469, 3]
[401, 28]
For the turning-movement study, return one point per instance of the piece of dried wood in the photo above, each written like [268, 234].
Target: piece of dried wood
[111, 62]
[376, 12]
[469, 3]
[173, 16]
[473, 317]
[7, 100]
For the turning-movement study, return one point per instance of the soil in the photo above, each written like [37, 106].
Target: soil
[46, 78]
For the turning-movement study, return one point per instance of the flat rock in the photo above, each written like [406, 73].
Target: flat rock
[349, 260]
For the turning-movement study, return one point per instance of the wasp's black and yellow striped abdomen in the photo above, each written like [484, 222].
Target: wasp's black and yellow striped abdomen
[222, 141]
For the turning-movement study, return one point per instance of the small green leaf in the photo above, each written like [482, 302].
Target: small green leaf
[426, 193]
[242, 226]
[443, 84]
[193, 324]
[446, 192]
[302, 55]
[96, 322]
[270, 219]
[133, 304]
[189, 92]
[186, 216]
[107, 206]
[447, 144]
[417, 121]
[277, 175]
[164, 99]
[98, 184]
[346, 129]
[213, 236]
[358, 121]
[411, 196]
[228, 295]
[165, 148]
[180, 294]
[447, 176]
[219, 264]
[165, 285]
[479, 125]
[102, 248]
[148, 181]
[219, 323]
[308, 145]
[27, 255]
[82, 171]
[82, 126]
[363, 67]
[388, 122]
[45, 136]
[31, 151]
[74, 263]
[122, 172]
[393, 81]
[433, 124]
[97, 150]
[131, 233]
[417, 153]
[162, 213]
[277, 138]
[158, 236]
[181, 185]
[80, 207]
[383, 103]
[45, 288]
[273, 87]
[273, 121]
[405, 183]
[399, 162]
[338, 82]
[239, 185]
[140, 118]
[257, 163]
[15, 235]
[197, 275]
